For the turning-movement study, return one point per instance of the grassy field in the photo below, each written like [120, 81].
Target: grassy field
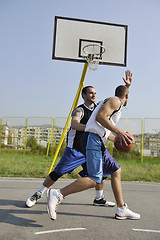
[36, 166]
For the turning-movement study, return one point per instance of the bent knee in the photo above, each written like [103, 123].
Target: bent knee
[117, 173]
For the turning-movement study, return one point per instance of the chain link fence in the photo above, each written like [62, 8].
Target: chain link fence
[15, 132]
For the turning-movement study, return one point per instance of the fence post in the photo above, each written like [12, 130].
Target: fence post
[1, 132]
[50, 137]
[142, 140]
[25, 137]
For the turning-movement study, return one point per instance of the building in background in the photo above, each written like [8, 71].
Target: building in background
[15, 137]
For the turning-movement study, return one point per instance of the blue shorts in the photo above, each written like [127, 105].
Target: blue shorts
[70, 160]
[100, 163]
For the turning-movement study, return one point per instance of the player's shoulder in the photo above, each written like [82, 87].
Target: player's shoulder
[78, 109]
[114, 102]
[78, 112]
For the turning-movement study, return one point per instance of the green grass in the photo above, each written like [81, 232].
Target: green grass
[26, 165]
[16, 164]
[134, 170]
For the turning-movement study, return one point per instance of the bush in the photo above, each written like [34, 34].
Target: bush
[134, 154]
[52, 149]
[34, 147]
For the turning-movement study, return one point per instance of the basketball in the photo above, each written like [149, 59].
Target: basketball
[123, 147]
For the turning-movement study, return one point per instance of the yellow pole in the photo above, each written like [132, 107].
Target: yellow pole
[142, 141]
[50, 137]
[78, 95]
[69, 117]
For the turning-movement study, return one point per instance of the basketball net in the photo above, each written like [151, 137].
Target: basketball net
[93, 62]
[93, 55]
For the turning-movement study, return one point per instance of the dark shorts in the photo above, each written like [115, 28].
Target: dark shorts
[70, 160]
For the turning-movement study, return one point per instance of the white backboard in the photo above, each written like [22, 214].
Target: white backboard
[71, 35]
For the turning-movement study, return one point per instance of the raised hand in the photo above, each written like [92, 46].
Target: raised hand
[128, 79]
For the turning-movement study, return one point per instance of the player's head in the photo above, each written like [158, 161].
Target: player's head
[89, 94]
[123, 93]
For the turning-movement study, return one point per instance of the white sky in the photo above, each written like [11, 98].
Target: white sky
[32, 84]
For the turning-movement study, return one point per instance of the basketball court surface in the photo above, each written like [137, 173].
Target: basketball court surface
[77, 218]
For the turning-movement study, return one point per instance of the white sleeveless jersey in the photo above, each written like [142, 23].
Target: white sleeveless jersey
[95, 127]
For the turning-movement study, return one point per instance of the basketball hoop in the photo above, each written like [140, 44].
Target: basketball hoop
[93, 54]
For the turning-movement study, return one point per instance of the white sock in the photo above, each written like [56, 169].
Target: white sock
[42, 189]
[99, 194]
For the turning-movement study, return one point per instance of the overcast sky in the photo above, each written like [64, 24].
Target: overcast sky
[32, 84]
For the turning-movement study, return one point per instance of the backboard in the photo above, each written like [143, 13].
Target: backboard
[72, 35]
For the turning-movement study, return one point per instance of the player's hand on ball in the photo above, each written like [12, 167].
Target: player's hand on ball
[124, 142]
[124, 137]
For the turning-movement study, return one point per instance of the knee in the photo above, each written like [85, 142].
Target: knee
[54, 176]
[117, 173]
[91, 182]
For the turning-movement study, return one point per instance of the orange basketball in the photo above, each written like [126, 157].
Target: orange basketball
[123, 147]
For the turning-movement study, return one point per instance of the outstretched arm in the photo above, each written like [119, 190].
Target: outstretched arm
[128, 79]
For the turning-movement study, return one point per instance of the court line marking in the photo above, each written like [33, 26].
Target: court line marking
[60, 230]
[146, 230]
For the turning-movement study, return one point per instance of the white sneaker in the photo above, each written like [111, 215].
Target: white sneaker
[31, 201]
[124, 213]
[54, 198]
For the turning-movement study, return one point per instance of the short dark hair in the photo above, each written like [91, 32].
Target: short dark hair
[84, 90]
[121, 91]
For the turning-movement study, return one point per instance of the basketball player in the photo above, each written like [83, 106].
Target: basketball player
[98, 129]
[72, 157]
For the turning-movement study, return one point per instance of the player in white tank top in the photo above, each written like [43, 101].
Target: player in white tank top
[95, 127]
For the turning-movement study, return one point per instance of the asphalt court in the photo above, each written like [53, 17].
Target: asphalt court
[77, 218]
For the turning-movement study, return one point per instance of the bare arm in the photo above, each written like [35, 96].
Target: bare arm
[102, 117]
[76, 118]
[105, 111]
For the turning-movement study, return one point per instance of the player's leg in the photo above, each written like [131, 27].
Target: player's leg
[99, 190]
[112, 168]
[31, 201]
[55, 197]
[70, 160]
[117, 187]
[99, 199]
[122, 212]
[94, 169]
